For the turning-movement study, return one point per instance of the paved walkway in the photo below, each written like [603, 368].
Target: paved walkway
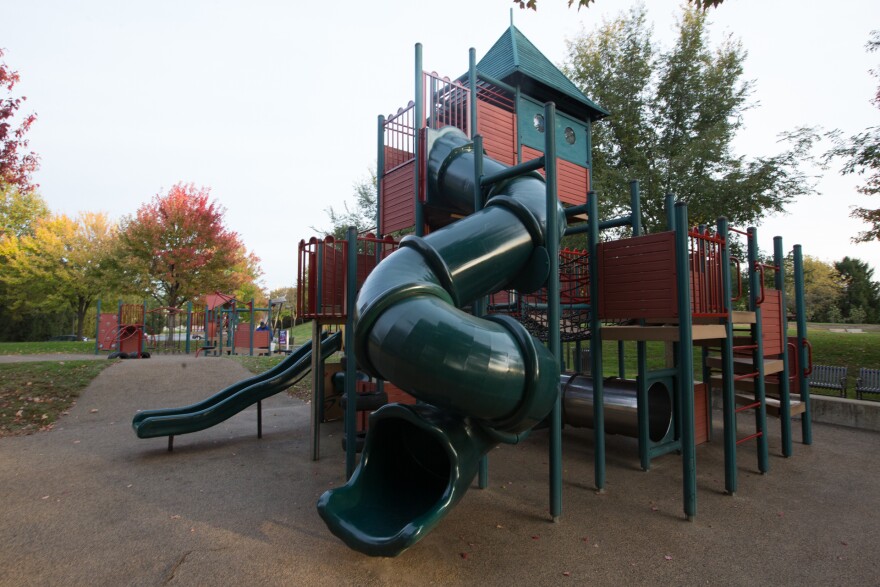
[90, 504]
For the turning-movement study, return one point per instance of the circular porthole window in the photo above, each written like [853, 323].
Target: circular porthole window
[570, 137]
[539, 122]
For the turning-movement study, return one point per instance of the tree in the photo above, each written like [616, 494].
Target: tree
[16, 164]
[533, 4]
[176, 248]
[674, 116]
[823, 290]
[363, 214]
[860, 301]
[19, 210]
[861, 153]
[60, 267]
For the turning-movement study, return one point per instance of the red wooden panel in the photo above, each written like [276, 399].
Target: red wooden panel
[498, 127]
[637, 277]
[398, 189]
[107, 331]
[771, 323]
[572, 180]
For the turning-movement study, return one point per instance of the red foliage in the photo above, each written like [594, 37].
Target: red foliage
[181, 237]
[16, 165]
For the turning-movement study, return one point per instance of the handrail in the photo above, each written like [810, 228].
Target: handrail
[808, 370]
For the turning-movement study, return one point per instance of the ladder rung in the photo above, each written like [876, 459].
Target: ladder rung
[748, 407]
[745, 376]
[750, 437]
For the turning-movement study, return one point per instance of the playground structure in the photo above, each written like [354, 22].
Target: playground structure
[490, 170]
[214, 327]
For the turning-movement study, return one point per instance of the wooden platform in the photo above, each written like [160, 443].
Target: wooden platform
[743, 365]
[662, 333]
[740, 317]
[772, 405]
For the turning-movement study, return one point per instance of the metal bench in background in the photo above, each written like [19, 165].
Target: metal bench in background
[868, 381]
[829, 377]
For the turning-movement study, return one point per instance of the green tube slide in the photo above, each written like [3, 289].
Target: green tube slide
[480, 381]
[228, 402]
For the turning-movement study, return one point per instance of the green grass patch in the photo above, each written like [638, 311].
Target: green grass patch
[845, 349]
[34, 395]
[43, 348]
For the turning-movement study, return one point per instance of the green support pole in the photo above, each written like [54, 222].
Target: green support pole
[803, 381]
[253, 316]
[479, 305]
[728, 399]
[784, 391]
[97, 327]
[685, 363]
[189, 313]
[380, 171]
[553, 311]
[143, 329]
[317, 375]
[417, 147]
[642, 405]
[760, 392]
[473, 126]
[350, 362]
[596, 343]
[635, 205]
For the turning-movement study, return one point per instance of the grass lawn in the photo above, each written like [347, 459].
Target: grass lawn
[42, 348]
[34, 395]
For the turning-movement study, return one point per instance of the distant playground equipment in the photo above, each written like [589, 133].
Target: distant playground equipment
[489, 171]
[219, 325]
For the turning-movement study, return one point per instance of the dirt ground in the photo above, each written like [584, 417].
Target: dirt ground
[89, 503]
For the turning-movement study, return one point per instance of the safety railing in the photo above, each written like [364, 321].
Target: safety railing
[704, 266]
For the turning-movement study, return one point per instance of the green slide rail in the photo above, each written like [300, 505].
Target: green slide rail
[228, 402]
[480, 381]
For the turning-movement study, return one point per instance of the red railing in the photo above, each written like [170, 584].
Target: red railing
[400, 138]
[446, 103]
[330, 273]
[704, 266]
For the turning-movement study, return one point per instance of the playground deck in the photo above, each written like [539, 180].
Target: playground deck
[88, 503]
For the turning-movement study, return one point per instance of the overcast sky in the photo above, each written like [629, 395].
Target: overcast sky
[273, 105]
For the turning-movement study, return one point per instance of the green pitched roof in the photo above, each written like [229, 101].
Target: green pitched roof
[513, 59]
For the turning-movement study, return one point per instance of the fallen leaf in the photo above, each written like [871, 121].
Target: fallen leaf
[498, 526]
[175, 517]
[45, 497]
[463, 555]
[844, 543]
[668, 557]
[566, 573]
[536, 537]
[93, 411]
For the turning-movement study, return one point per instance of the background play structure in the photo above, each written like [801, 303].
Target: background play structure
[461, 322]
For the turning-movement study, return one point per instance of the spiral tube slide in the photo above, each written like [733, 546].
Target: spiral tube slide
[480, 380]
[228, 402]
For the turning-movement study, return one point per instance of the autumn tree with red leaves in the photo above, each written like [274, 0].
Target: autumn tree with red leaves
[16, 164]
[176, 248]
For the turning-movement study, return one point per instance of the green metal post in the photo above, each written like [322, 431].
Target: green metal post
[143, 329]
[380, 171]
[596, 343]
[189, 313]
[642, 405]
[728, 399]
[803, 381]
[635, 205]
[685, 362]
[553, 311]
[417, 148]
[473, 126]
[756, 286]
[317, 374]
[350, 362]
[97, 327]
[253, 316]
[784, 391]
[478, 304]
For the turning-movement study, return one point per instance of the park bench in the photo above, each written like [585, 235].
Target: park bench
[829, 377]
[868, 381]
